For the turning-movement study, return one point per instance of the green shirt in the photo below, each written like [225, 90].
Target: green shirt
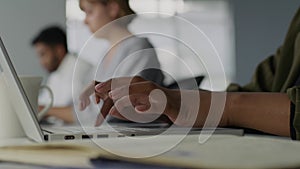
[279, 72]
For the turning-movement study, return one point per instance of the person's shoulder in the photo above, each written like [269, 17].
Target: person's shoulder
[74, 63]
[77, 60]
[138, 42]
[70, 58]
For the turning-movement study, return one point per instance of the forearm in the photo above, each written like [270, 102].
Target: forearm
[194, 108]
[267, 112]
[212, 109]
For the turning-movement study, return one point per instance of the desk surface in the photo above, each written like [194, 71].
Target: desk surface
[250, 151]
[99, 163]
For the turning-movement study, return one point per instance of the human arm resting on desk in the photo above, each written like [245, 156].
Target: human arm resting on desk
[267, 112]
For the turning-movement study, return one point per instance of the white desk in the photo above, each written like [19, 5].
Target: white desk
[252, 150]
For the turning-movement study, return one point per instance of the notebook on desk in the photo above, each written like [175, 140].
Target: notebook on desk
[34, 131]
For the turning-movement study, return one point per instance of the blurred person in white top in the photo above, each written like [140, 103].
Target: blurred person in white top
[52, 50]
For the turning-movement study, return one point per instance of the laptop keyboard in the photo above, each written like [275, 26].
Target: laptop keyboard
[77, 129]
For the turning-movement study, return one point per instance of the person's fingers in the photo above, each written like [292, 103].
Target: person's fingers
[141, 108]
[87, 102]
[144, 88]
[157, 101]
[84, 96]
[104, 111]
[129, 113]
[89, 90]
[103, 93]
[137, 95]
[106, 107]
[103, 88]
[99, 120]
[114, 112]
[97, 99]
[137, 100]
[81, 106]
[84, 104]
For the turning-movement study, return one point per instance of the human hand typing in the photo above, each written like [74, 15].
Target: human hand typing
[145, 100]
[84, 98]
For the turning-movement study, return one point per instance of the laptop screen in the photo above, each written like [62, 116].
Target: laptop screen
[18, 98]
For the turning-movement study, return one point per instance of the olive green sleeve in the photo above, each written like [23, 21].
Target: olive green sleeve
[294, 95]
[278, 73]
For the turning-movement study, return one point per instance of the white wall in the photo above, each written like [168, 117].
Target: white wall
[20, 20]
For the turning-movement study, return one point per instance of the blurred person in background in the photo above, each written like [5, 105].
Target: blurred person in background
[51, 47]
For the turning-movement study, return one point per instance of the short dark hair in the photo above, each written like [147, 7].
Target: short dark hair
[52, 36]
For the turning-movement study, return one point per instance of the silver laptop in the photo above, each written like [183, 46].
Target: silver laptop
[33, 130]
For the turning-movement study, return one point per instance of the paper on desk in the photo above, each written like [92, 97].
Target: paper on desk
[220, 151]
[52, 154]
